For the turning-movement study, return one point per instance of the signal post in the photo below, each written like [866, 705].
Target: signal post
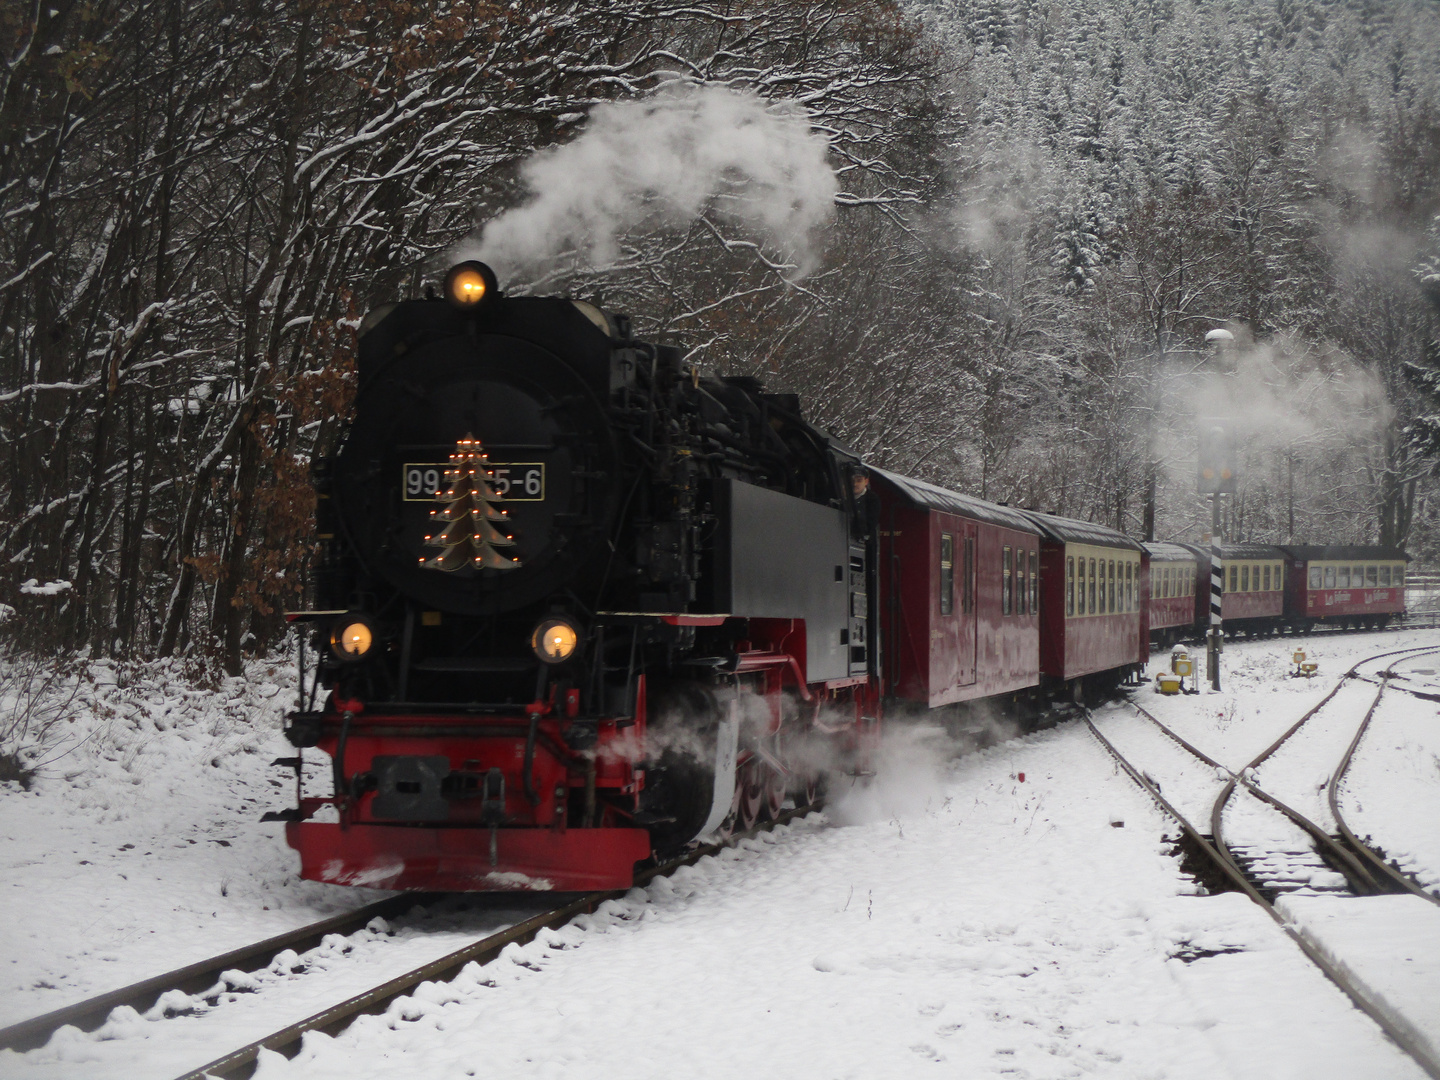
[1215, 477]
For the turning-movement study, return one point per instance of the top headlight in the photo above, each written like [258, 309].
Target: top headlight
[470, 285]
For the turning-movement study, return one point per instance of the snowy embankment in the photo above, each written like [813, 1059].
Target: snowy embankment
[139, 847]
[954, 919]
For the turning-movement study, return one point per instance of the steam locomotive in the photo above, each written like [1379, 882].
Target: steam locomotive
[576, 604]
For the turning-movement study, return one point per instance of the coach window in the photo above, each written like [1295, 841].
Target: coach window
[1093, 609]
[1315, 577]
[1234, 578]
[1342, 578]
[1267, 577]
[1385, 575]
[1022, 582]
[1399, 580]
[1129, 586]
[1329, 577]
[1034, 583]
[1372, 576]
[1245, 578]
[1007, 585]
[1069, 585]
[947, 573]
[967, 580]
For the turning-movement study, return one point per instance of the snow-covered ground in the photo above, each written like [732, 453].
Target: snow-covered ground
[954, 919]
[139, 847]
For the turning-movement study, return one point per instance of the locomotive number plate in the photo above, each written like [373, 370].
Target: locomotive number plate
[516, 481]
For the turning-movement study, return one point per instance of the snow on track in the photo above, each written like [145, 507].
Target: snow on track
[974, 926]
[953, 920]
[261, 1002]
[140, 848]
[1391, 793]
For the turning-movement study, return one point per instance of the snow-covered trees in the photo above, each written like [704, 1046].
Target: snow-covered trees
[198, 199]
[1040, 210]
[1183, 166]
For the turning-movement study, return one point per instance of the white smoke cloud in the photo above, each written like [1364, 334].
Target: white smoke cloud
[663, 160]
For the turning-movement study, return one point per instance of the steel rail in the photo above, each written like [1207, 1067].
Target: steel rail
[239, 1064]
[1397, 878]
[1217, 811]
[1355, 872]
[1410, 1042]
[200, 976]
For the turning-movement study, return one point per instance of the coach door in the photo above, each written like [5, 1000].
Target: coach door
[965, 543]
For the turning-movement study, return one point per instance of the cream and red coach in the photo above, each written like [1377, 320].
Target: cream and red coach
[1254, 591]
[1344, 585]
[1178, 591]
[1093, 627]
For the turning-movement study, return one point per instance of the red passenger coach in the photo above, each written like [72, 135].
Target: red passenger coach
[1178, 591]
[1344, 585]
[959, 588]
[1092, 626]
[1254, 594]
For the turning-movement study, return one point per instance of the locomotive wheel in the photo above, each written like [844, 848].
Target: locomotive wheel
[749, 796]
[808, 791]
[774, 791]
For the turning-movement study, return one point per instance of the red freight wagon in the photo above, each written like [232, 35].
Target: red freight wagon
[1344, 585]
[1178, 590]
[959, 590]
[1092, 626]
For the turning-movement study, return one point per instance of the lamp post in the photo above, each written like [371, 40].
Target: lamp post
[1216, 477]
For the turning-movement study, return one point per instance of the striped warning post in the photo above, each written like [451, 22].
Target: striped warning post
[1217, 583]
[1217, 592]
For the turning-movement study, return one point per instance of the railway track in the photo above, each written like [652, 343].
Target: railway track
[1352, 866]
[211, 974]
[1366, 871]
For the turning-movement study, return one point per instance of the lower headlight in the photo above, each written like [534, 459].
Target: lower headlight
[352, 637]
[554, 640]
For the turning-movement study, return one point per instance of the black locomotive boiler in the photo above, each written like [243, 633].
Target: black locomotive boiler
[576, 604]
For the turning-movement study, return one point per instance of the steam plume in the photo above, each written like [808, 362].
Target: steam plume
[662, 160]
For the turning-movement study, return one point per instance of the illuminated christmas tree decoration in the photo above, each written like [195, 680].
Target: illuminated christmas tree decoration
[470, 510]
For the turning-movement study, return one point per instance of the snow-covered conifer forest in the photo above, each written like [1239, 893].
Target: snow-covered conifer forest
[1034, 211]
